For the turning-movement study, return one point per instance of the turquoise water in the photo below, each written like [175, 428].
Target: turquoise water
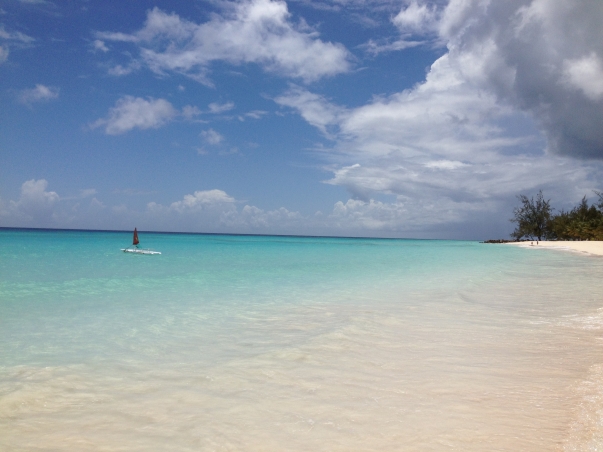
[286, 343]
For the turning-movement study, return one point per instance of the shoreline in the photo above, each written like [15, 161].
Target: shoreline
[594, 248]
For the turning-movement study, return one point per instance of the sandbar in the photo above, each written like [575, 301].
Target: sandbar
[589, 247]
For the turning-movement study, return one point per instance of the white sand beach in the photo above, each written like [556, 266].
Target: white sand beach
[590, 247]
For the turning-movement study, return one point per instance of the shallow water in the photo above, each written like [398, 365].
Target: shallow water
[275, 343]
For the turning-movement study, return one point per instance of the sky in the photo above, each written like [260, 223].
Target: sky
[406, 118]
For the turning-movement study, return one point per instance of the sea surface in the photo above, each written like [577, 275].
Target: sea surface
[265, 343]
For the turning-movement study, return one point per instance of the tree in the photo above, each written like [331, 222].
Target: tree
[580, 223]
[533, 218]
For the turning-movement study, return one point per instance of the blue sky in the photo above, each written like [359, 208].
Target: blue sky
[338, 117]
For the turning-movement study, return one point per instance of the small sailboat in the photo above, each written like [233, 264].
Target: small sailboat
[134, 248]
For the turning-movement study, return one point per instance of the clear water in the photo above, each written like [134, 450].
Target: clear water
[280, 343]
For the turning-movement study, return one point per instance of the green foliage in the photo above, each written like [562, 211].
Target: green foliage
[535, 220]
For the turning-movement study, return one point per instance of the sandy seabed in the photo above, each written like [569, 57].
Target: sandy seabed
[287, 344]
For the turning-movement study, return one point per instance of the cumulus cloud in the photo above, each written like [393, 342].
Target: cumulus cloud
[585, 74]
[518, 91]
[251, 31]
[417, 17]
[215, 210]
[202, 211]
[35, 206]
[448, 151]
[40, 93]
[134, 112]
[200, 200]
[212, 137]
[190, 112]
[540, 56]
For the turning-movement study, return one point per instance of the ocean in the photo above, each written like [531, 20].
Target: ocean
[269, 343]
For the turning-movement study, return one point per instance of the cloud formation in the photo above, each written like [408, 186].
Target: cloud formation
[212, 137]
[417, 18]
[215, 210]
[216, 107]
[518, 92]
[200, 200]
[35, 205]
[540, 56]
[15, 36]
[40, 93]
[250, 31]
[12, 39]
[134, 112]
[99, 45]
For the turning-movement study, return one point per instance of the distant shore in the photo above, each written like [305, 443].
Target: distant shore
[589, 247]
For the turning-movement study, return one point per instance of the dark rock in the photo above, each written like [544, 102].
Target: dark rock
[499, 241]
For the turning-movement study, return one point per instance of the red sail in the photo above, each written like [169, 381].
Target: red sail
[135, 242]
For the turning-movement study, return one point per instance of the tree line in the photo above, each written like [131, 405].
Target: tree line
[536, 221]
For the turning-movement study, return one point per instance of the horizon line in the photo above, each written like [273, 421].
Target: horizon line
[220, 233]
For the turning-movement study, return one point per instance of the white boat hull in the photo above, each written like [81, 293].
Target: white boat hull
[139, 251]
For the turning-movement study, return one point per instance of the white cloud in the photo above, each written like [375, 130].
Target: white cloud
[315, 109]
[256, 218]
[190, 111]
[99, 45]
[406, 217]
[445, 164]
[534, 55]
[375, 48]
[134, 112]
[15, 36]
[585, 74]
[460, 146]
[200, 200]
[35, 206]
[119, 37]
[120, 70]
[215, 107]
[13, 39]
[417, 17]
[36, 2]
[215, 210]
[202, 211]
[254, 114]
[251, 31]
[543, 57]
[212, 137]
[40, 93]
[447, 150]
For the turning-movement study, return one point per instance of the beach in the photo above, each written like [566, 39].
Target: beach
[304, 344]
[588, 247]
